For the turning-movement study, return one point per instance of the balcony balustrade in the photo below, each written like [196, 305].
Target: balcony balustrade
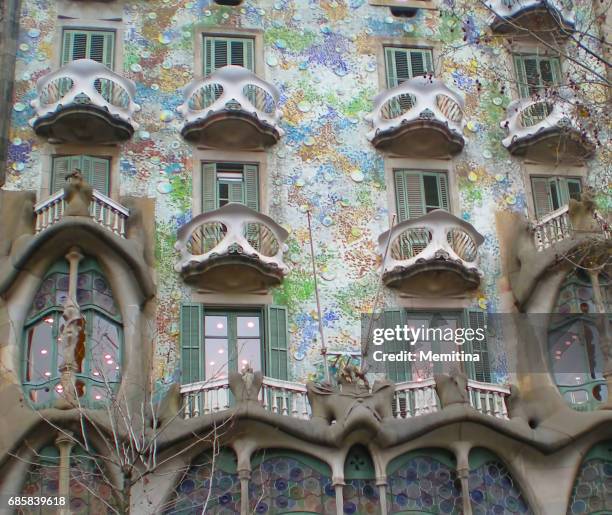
[510, 16]
[557, 226]
[103, 210]
[411, 399]
[231, 108]
[419, 118]
[84, 102]
[233, 248]
[434, 254]
[547, 129]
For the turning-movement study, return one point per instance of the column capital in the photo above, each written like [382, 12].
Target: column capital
[65, 440]
[74, 254]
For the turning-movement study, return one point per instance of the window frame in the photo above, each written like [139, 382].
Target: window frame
[90, 31]
[202, 30]
[245, 197]
[422, 173]
[519, 57]
[107, 158]
[406, 48]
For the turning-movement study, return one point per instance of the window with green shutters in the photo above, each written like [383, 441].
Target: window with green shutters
[222, 51]
[399, 371]
[534, 75]
[417, 193]
[95, 170]
[215, 342]
[229, 182]
[405, 63]
[552, 193]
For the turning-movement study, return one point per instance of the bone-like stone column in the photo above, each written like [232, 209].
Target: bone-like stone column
[64, 443]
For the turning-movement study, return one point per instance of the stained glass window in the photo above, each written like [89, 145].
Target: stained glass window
[211, 485]
[492, 488]
[290, 482]
[574, 349]
[89, 490]
[360, 492]
[98, 357]
[591, 493]
[425, 481]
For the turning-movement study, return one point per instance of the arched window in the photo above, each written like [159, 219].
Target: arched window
[290, 482]
[211, 485]
[360, 493]
[97, 355]
[577, 362]
[423, 481]
[88, 490]
[591, 493]
[492, 488]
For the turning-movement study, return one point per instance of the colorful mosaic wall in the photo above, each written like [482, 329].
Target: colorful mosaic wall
[593, 484]
[323, 58]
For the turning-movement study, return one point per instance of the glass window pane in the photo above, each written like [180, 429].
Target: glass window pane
[216, 355]
[432, 199]
[105, 344]
[248, 326]
[215, 325]
[249, 353]
[40, 365]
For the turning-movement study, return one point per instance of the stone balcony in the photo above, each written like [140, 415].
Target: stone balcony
[231, 109]
[547, 129]
[419, 118]
[410, 399]
[232, 249]
[84, 102]
[433, 255]
[541, 16]
[103, 210]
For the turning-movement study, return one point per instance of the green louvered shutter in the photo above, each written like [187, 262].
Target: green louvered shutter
[96, 171]
[277, 343]
[192, 350]
[443, 185]
[400, 196]
[535, 73]
[89, 44]
[209, 187]
[397, 371]
[236, 192]
[541, 196]
[404, 63]
[251, 182]
[222, 51]
[481, 370]
[415, 197]
[61, 167]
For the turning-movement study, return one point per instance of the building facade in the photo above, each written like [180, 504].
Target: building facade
[211, 209]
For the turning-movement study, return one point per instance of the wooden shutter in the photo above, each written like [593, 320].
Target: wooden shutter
[481, 369]
[96, 171]
[415, 197]
[87, 44]
[574, 189]
[251, 182]
[192, 350]
[61, 168]
[526, 75]
[397, 371]
[404, 63]
[541, 196]
[209, 187]
[400, 196]
[236, 192]
[221, 51]
[443, 185]
[277, 342]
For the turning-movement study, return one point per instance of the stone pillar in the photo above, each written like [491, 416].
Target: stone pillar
[64, 443]
[381, 482]
[338, 485]
[462, 452]
[245, 476]
[71, 334]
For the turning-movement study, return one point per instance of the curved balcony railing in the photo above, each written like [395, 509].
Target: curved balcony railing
[561, 11]
[436, 235]
[85, 82]
[556, 226]
[587, 396]
[420, 99]
[233, 229]
[231, 89]
[411, 398]
[103, 210]
[529, 118]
